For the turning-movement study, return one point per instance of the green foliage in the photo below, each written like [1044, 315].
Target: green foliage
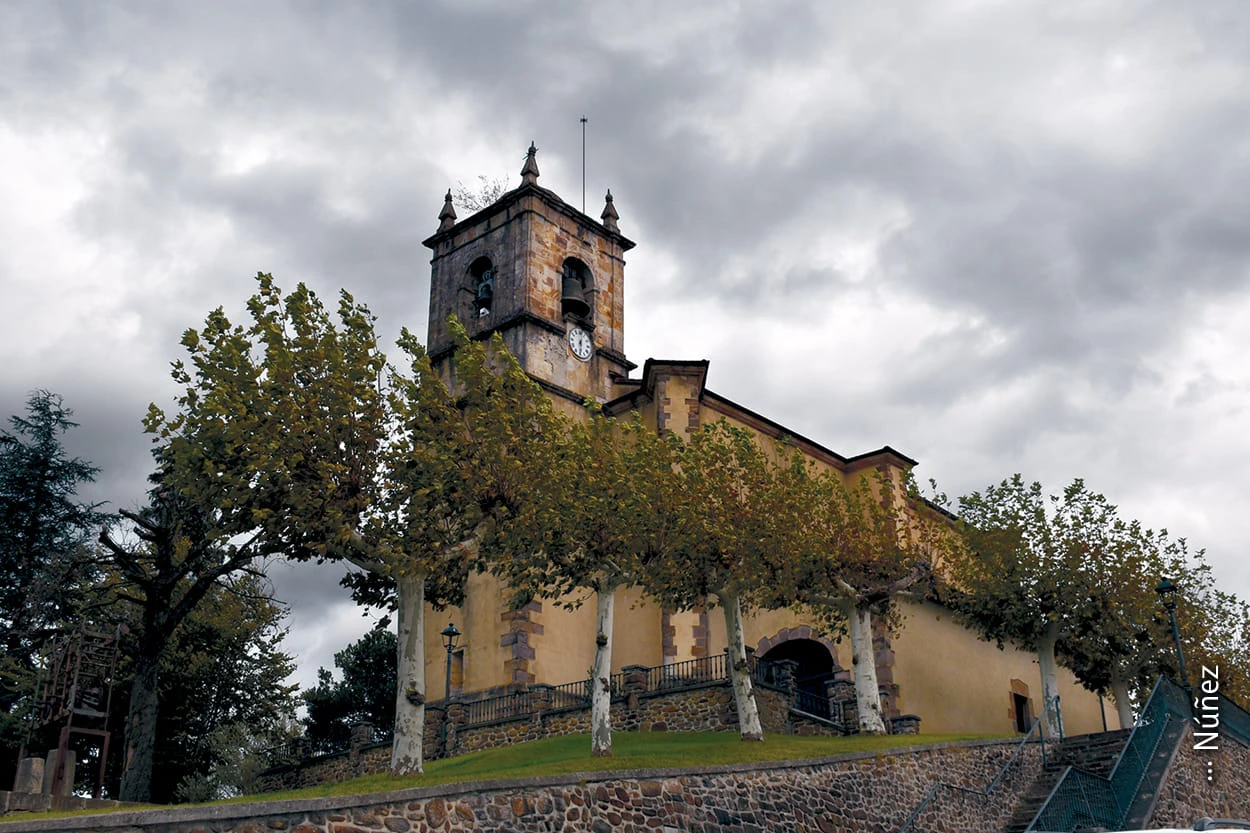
[1070, 565]
[280, 423]
[223, 697]
[1215, 631]
[47, 568]
[307, 443]
[862, 545]
[44, 528]
[594, 503]
[487, 193]
[726, 518]
[365, 694]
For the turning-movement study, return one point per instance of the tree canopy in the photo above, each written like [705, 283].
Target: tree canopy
[861, 547]
[364, 694]
[1064, 575]
[333, 453]
[47, 566]
[622, 474]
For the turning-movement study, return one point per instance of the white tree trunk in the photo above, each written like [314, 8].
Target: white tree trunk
[1119, 693]
[1050, 679]
[406, 753]
[601, 678]
[864, 661]
[739, 672]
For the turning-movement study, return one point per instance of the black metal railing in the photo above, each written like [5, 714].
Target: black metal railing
[570, 695]
[503, 707]
[769, 675]
[688, 673]
[817, 705]
[671, 677]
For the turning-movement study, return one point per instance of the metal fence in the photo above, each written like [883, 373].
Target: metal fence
[1082, 799]
[818, 705]
[516, 704]
[768, 674]
[570, 695]
[670, 677]
[691, 672]
[1235, 720]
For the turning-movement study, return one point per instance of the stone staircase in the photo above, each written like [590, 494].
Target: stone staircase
[1095, 754]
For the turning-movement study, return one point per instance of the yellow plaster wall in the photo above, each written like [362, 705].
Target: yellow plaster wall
[958, 683]
[636, 631]
[565, 650]
[478, 621]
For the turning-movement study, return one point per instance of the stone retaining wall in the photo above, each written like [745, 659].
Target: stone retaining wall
[873, 793]
[706, 709]
[1193, 790]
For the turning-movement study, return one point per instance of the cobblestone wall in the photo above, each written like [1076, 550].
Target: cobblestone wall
[872, 793]
[1193, 789]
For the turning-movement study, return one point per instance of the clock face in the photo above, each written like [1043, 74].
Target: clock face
[579, 341]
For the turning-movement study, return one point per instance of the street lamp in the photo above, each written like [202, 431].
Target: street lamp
[450, 635]
[1167, 594]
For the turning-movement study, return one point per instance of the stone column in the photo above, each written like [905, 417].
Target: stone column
[635, 677]
[540, 700]
[49, 773]
[841, 693]
[905, 724]
[29, 776]
[786, 670]
[362, 736]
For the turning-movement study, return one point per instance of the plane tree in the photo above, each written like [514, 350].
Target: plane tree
[609, 513]
[1060, 574]
[863, 547]
[1120, 640]
[729, 523]
[336, 454]
[1214, 627]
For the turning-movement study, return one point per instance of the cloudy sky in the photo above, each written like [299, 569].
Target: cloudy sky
[997, 236]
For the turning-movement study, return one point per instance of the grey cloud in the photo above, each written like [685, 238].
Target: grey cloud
[1086, 264]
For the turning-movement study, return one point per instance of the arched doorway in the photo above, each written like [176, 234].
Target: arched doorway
[816, 665]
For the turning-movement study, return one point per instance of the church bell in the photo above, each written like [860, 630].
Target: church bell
[485, 293]
[573, 297]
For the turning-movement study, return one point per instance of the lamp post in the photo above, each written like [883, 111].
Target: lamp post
[1167, 594]
[450, 635]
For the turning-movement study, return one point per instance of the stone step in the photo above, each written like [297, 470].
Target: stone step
[1096, 754]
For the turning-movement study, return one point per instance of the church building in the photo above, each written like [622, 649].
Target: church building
[550, 280]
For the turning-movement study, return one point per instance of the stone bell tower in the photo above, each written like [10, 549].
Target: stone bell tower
[545, 276]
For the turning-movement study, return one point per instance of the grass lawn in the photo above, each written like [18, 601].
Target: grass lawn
[571, 753]
[631, 750]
